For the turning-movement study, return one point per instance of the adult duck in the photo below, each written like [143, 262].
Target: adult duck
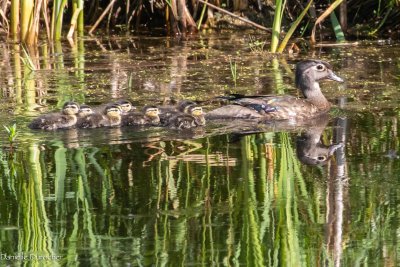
[308, 75]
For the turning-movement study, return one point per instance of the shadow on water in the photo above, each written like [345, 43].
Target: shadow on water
[231, 194]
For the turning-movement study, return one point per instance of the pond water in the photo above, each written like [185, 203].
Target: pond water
[225, 195]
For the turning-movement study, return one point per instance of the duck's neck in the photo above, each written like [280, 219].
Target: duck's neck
[155, 120]
[114, 120]
[312, 92]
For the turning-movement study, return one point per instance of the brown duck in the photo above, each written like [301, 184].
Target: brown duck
[308, 75]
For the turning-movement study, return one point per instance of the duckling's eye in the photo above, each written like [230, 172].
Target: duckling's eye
[321, 158]
[320, 67]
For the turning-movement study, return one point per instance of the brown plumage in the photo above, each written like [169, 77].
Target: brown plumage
[149, 117]
[110, 117]
[308, 75]
[52, 121]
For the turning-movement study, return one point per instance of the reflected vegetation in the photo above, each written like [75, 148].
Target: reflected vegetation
[219, 196]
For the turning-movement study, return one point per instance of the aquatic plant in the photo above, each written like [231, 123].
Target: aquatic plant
[12, 133]
[256, 46]
[233, 67]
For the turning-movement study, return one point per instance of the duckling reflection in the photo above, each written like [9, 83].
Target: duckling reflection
[310, 149]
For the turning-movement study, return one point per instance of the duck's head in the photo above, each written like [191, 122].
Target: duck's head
[125, 105]
[195, 110]
[85, 110]
[310, 72]
[184, 105]
[113, 111]
[151, 111]
[70, 108]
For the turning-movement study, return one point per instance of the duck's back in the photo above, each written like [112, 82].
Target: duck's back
[53, 121]
[291, 108]
[267, 108]
[134, 118]
[94, 120]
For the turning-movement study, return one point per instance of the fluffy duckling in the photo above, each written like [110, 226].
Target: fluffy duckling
[84, 110]
[192, 116]
[52, 121]
[111, 117]
[169, 111]
[125, 105]
[150, 117]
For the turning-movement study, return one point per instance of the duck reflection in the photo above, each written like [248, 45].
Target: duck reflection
[310, 148]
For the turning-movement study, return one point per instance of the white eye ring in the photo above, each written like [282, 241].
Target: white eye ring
[321, 158]
[320, 67]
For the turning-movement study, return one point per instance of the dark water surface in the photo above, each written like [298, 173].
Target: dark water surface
[218, 196]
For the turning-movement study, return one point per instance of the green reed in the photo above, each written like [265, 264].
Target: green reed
[233, 68]
[276, 26]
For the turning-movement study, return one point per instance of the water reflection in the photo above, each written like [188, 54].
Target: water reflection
[118, 196]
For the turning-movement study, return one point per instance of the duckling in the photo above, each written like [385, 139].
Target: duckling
[110, 117]
[84, 110]
[150, 117]
[52, 121]
[308, 75]
[125, 105]
[192, 116]
[169, 111]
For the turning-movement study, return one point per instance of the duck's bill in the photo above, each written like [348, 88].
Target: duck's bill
[332, 76]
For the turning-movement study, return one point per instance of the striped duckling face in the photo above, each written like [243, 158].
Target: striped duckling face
[70, 108]
[113, 111]
[125, 106]
[85, 110]
[151, 111]
[195, 111]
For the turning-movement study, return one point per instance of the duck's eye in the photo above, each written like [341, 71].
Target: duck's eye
[320, 67]
[321, 158]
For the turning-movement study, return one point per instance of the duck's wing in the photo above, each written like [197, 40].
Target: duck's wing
[166, 112]
[233, 112]
[181, 121]
[94, 120]
[133, 118]
[53, 121]
[290, 108]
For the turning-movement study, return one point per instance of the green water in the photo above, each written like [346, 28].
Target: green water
[226, 195]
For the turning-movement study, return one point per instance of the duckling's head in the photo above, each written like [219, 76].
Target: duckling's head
[113, 111]
[310, 72]
[70, 108]
[85, 110]
[125, 105]
[195, 110]
[184, 105]
[151, 111]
